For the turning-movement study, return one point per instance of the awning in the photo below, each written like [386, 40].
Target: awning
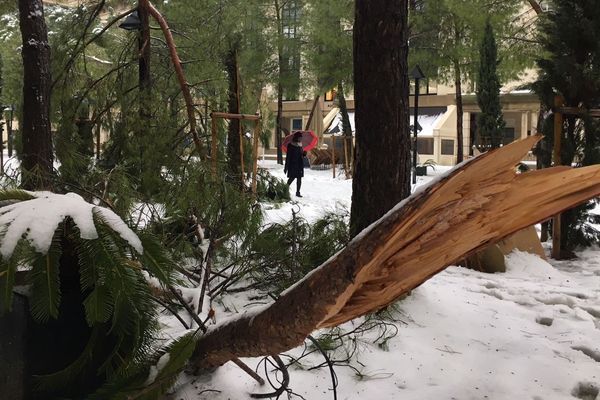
[329, 118]
[336, 127]
[427, 123]
[428, 120]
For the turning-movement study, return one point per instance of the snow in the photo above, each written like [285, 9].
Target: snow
[426, 122]
[155, 369]
[530, 333]
[37, 219]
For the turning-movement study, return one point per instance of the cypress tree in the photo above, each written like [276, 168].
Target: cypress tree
[490, 121]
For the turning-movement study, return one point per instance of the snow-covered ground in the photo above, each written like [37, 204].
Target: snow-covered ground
[530, 333]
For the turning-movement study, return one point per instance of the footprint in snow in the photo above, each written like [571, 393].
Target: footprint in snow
[546, 321]
[591, 353]
[586, 391]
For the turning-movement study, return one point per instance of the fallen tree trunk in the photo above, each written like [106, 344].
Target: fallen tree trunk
[476, 204]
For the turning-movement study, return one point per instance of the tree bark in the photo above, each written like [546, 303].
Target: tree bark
[459, 113]
[536, 6]
[480, 202]
[382, 152]
[312, 113]
[36, 132]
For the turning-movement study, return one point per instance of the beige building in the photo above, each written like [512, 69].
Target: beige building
[437, 139]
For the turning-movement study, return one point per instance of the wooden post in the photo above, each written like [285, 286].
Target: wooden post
[242, 155]
[333, 153]
[346, 161]
[240, 127]
[558, 128]
[213, 147]
[255, 156]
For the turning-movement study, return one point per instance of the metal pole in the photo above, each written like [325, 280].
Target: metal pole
[416, 130]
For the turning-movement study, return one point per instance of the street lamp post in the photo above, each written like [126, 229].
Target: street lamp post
[417, 75]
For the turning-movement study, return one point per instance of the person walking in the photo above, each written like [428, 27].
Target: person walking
[294, 163]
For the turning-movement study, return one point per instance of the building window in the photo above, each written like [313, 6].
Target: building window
[447, 147]
[296, 124]
[424, 145]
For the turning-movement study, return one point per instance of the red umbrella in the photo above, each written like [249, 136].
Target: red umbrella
[309, 140]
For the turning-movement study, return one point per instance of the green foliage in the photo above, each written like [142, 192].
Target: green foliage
[284, 253]
[137, 386]
[115, 297]
[569, 67]
[446, 34]
[271, 188]
[489, 121]
[329, 43]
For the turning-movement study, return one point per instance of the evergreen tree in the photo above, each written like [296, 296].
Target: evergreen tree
[445, 38]
[382, 152]
[570, 68]
[37, 160]
[329, 55]
[490, 121]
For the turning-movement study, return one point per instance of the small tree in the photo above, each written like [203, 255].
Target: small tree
[490, 121]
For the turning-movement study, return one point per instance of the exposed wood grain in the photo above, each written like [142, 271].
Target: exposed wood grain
[477, 204]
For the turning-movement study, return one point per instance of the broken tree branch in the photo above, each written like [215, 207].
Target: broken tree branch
[476, 204]
[189, 102]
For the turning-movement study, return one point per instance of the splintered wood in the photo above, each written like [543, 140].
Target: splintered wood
[477, 204]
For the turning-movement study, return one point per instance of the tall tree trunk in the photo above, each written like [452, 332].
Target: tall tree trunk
[346, 128]
[36, 166]
[459, 113]
[145, 84]
[233, 106]
[278, 123]
[312, 113]
[382, 152]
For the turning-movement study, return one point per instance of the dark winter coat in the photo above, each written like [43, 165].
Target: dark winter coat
[294, 165]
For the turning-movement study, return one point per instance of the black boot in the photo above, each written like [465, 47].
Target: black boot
[298, 194]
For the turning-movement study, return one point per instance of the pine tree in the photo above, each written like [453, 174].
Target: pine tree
[570, 68]
[445, 38]
[490, 121]
[37, 139]
[382, 152]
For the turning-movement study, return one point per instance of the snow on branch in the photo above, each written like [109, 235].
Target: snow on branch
[37, 219]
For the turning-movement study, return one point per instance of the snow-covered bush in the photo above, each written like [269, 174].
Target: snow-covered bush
[86, 270]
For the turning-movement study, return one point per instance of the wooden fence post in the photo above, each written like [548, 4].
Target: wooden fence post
[255, 156]
[213, 145]
[333, 153]
[558, 128]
